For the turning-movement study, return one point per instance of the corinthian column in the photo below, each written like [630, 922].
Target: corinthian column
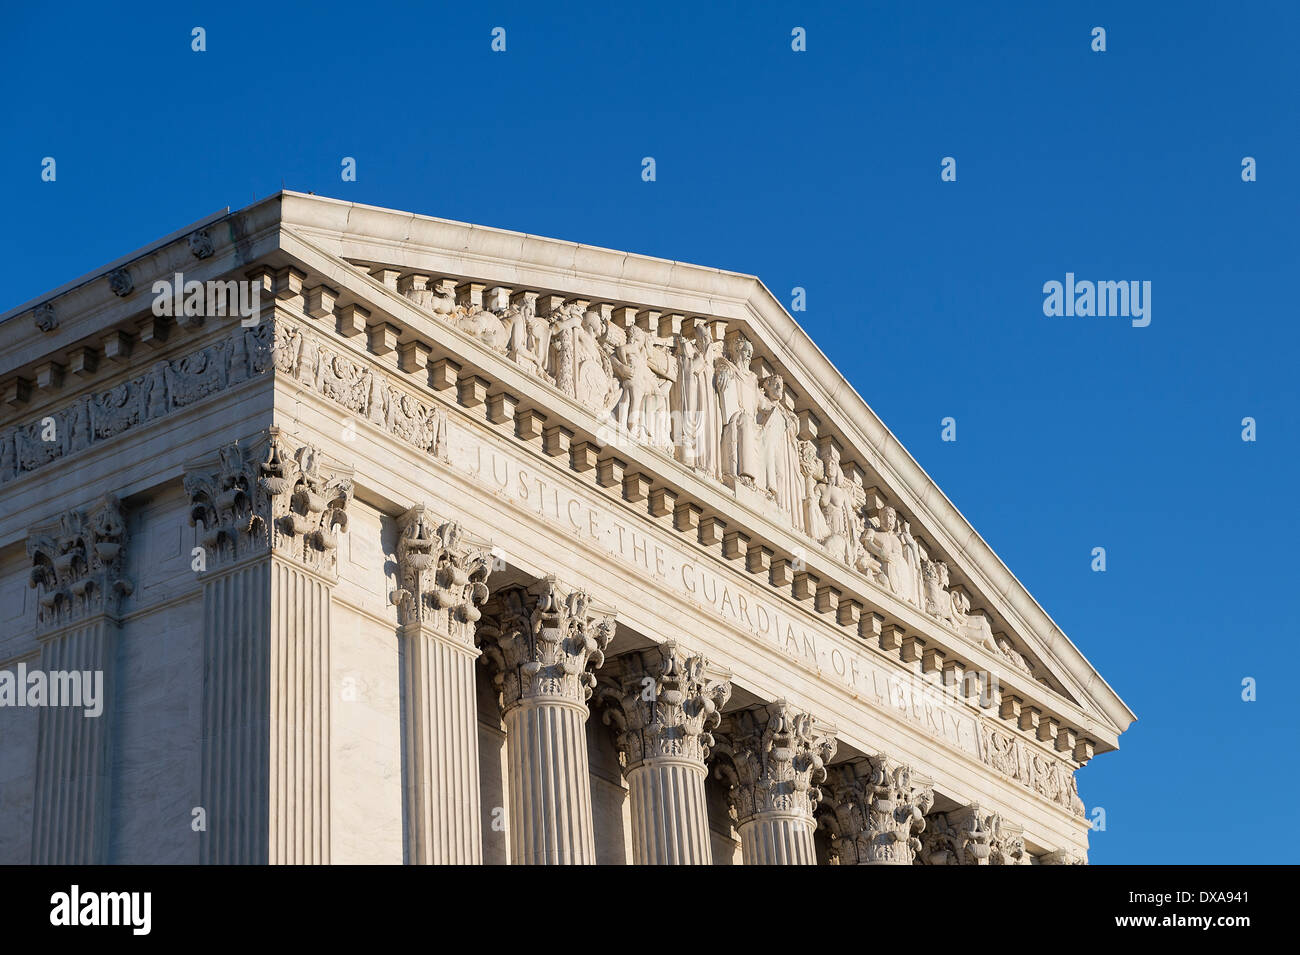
[77, 570]
[777, 756]
[875, 810]
[267, 556]
[545, 647]
[442, 577]
[664, 706]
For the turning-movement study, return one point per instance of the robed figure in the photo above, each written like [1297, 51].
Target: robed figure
[697, 424]
[778, 441]
[738, 404]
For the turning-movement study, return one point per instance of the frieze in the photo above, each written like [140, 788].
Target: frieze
[758, 452]
[167, 386]
[936, 710]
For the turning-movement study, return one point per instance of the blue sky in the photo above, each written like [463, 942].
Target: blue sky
[821, 169]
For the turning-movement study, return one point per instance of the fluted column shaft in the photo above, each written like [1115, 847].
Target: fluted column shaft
[442, 576]
[442, 750]
[269, 513]
[670, 819]
[664, 704]
[266, 715]
[550, 784]
[772, 838]
[544, 645]
[778, 755]
[70, 824]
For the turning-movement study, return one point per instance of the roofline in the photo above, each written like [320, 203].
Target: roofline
[94, 274]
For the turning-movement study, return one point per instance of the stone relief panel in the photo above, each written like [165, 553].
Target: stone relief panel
[169, 385]
[331, 373]
[1048, 777]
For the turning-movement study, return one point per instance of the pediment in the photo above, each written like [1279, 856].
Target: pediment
[625, 337]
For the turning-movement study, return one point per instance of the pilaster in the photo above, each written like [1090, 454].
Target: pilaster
[269, 514]
[78, 573]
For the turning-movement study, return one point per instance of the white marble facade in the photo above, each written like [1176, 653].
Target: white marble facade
[474, 547]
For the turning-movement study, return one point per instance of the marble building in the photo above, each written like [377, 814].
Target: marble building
[432, 543]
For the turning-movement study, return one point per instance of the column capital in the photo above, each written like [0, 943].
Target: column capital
[972, 835]
[442, 575]
[78, 564]
[1063, 857]
[269, 495]
[663, 703]
[546, 643]
[778, 755]
[875, 810]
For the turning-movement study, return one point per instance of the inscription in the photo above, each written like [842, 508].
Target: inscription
[922, 703]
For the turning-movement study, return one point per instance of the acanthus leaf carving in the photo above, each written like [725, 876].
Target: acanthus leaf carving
[664, 703]
[545, 643]
[309, 515]
[1063, 857]
[774, 761]
[874, 810]
[269, 495]
[78, 564]
[971, 835]
[442, 575]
